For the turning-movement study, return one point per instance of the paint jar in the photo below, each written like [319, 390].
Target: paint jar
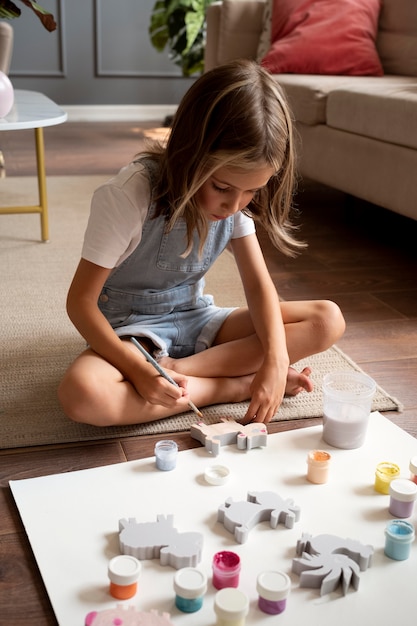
[226, 569]
[347, 402]
[231, 607]
[399, 535]
[273, 589]
[318, 462]
[166, 452]
[403, 494]
[385, 472]
[124, 572]
[413, 469]
[190, 585]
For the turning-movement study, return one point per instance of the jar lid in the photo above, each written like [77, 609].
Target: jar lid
[190, 583]
[231, 603]
[413, 465]
[124, 569]
[273, 585]
[217, 474]
[403, 489]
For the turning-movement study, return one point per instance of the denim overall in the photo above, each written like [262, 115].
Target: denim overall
[158, 294]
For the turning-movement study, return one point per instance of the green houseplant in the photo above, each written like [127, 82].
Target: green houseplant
[9, 10]
[180, 26]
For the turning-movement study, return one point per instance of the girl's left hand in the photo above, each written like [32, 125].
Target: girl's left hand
[267, 392]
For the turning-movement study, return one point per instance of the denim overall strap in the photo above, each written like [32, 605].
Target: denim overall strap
[156, 279]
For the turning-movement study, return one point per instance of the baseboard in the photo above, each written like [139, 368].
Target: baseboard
[119, 113]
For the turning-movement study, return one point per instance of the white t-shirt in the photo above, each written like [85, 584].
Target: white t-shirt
[118, 212]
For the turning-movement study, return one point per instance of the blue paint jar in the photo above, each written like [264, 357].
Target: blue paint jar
[166, 452]
[190, 585]
[399, 536]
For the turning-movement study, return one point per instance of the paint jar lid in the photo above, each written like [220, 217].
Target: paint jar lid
[403, 489]
[190, 583]
[124, 569]
[413, 464]
[217, 474]
[231, 603]
[273, 585]
[400, 530]
[320, 458]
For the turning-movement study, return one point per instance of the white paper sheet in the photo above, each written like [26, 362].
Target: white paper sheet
[72, 523]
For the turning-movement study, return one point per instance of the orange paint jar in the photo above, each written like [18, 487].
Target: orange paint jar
[318, 462]
[124, 572]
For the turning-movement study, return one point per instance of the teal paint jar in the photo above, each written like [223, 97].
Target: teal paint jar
[190, 585]
[399, 535]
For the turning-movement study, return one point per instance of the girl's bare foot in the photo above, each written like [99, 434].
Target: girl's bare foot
[298, 381]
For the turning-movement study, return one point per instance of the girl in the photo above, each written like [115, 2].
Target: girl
[153, 232]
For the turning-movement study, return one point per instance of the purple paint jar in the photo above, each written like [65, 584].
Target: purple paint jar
[403, 494]
[273, 589]
[226, 569]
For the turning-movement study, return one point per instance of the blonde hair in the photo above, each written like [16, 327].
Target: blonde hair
[235, 116]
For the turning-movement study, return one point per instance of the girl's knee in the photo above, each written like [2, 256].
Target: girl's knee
[328, 321]
[76, 398]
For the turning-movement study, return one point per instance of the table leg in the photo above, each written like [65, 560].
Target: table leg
[42, 207]
[43, 201]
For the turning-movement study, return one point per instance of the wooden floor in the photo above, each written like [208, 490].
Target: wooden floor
[361, 256]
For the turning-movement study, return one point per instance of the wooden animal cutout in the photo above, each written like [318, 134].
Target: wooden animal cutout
[260, 506]
[328, 560]
[150, 540]
[228, 431]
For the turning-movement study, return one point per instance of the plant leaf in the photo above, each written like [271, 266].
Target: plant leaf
[9, 10]
[45, 16]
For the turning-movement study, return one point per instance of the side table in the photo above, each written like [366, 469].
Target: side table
[32, 109]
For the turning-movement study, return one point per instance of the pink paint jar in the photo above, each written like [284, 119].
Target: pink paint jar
[318, 462]
[226, 569]
[403, 494]
[413, 469]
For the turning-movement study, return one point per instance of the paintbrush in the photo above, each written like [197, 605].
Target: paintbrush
[163, 373]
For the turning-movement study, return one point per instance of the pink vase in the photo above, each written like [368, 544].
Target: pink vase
[6, 95]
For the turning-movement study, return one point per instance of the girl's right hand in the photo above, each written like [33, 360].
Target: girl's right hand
[155, 389]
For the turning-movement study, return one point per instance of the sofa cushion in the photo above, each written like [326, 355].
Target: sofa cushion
[324, 37]
[307, 93]
[387, 114]
[397, 37]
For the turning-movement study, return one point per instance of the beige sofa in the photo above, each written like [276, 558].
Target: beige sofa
[357, 134]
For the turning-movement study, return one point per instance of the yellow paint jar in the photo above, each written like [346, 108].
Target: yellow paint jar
[385, 472]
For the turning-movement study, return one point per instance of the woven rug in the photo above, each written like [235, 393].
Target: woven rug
[38, 342]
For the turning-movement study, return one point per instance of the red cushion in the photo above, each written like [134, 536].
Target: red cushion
[324, 37]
